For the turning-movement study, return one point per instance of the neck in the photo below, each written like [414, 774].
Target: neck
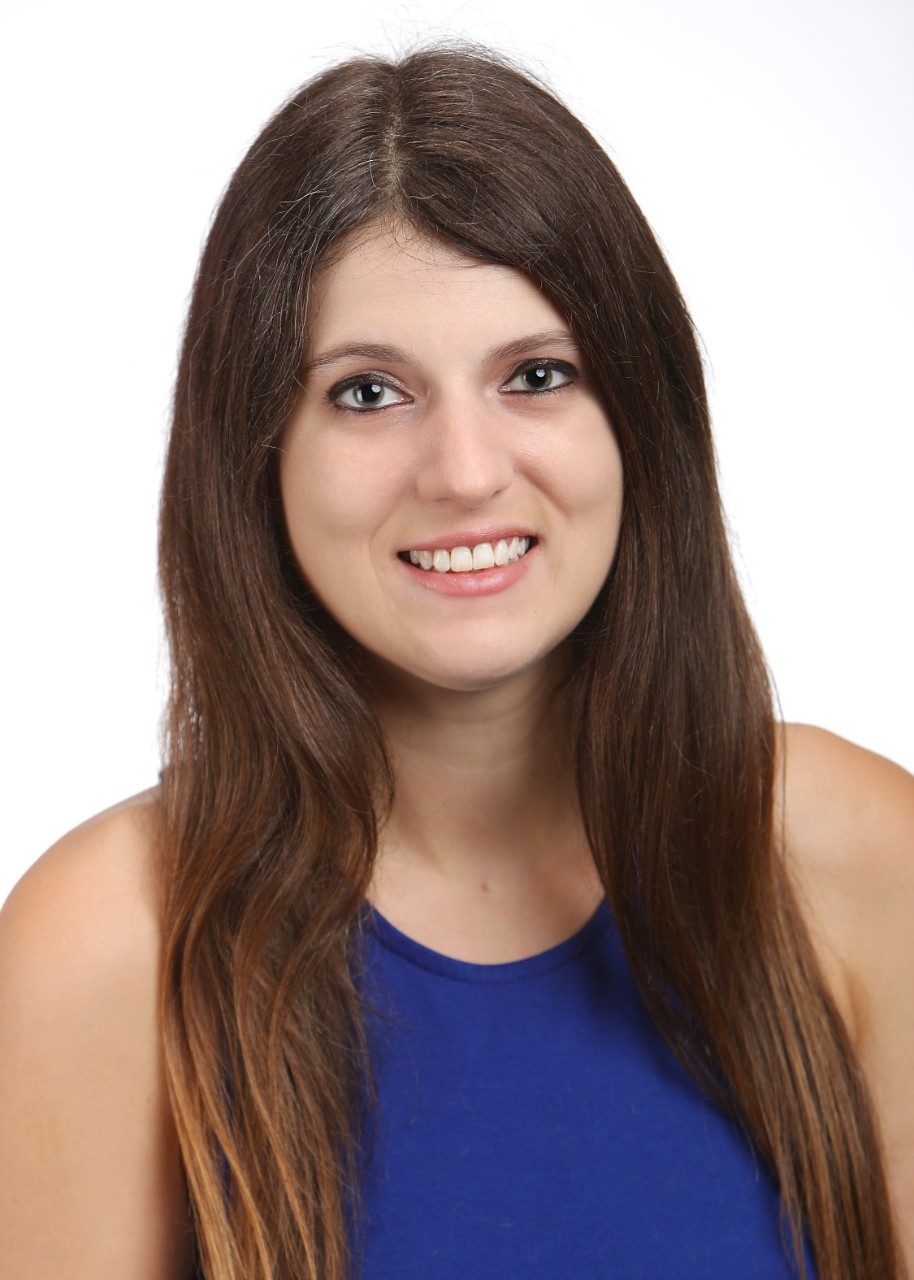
[485, 811]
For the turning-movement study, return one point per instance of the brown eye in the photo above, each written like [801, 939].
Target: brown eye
[363, 394]
[367, 394]
[541, 375]
[538, 378]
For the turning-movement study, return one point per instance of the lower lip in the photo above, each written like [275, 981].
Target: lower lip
[477, 582]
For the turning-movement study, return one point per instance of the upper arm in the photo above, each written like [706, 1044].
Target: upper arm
[850, 835]
[90, 1179]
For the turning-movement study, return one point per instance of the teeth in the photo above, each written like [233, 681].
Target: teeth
[461, 560]
[465, 559]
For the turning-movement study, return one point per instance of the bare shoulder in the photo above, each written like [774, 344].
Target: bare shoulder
[849, 834]
[849, 838]
[83, 920]
[85, 1125]
[107, 862]
[844, 805]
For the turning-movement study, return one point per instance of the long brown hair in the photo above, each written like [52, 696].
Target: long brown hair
[276, 771]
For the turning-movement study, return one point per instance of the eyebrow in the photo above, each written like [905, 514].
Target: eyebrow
[385, 354]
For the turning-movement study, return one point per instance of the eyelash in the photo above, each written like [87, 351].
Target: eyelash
[371, 379]
[553, 366]
[368, 379]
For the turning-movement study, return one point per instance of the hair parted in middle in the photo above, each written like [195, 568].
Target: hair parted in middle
[276, 768]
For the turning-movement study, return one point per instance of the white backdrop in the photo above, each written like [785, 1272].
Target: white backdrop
[769, 146]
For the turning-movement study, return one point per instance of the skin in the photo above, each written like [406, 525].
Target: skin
[849, 831]
[457, 443]
[90, 1179]
[464, 688]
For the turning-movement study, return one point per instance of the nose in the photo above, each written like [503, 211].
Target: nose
[465, 458]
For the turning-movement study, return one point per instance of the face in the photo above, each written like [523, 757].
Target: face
[451, 484]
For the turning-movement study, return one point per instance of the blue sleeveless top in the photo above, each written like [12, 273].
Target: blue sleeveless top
[531, 1122]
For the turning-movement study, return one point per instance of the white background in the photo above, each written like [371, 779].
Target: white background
[769, 146]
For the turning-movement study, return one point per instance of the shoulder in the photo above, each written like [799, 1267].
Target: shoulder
[84, 1117]
[841, 801]
[848, 824]
[96, 873]
[848, 821]
[83, 921]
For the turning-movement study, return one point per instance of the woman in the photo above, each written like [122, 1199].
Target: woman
[458, 659]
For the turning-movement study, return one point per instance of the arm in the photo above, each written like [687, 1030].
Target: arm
[90, 1176]
[849, 825]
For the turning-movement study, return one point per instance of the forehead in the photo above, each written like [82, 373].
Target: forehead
[401, 279]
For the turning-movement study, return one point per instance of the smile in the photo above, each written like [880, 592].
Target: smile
[485, 555]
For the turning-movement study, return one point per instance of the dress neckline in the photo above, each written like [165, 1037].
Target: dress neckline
[416, 953]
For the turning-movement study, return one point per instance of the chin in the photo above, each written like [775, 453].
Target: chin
[460, 676]
[475, 681]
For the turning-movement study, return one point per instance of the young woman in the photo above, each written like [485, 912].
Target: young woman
[484, 922]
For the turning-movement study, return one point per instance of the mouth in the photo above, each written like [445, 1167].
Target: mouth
[464, 559]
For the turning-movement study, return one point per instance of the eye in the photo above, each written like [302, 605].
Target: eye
[537, 376]
[365, 392]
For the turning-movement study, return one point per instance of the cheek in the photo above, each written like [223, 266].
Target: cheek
[601, 486]
[603, 478]
[330, 499]
[587, 482]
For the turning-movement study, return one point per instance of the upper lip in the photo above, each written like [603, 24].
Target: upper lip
[470, 538]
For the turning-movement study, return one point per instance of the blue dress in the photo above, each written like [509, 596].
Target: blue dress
[532, 1123]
